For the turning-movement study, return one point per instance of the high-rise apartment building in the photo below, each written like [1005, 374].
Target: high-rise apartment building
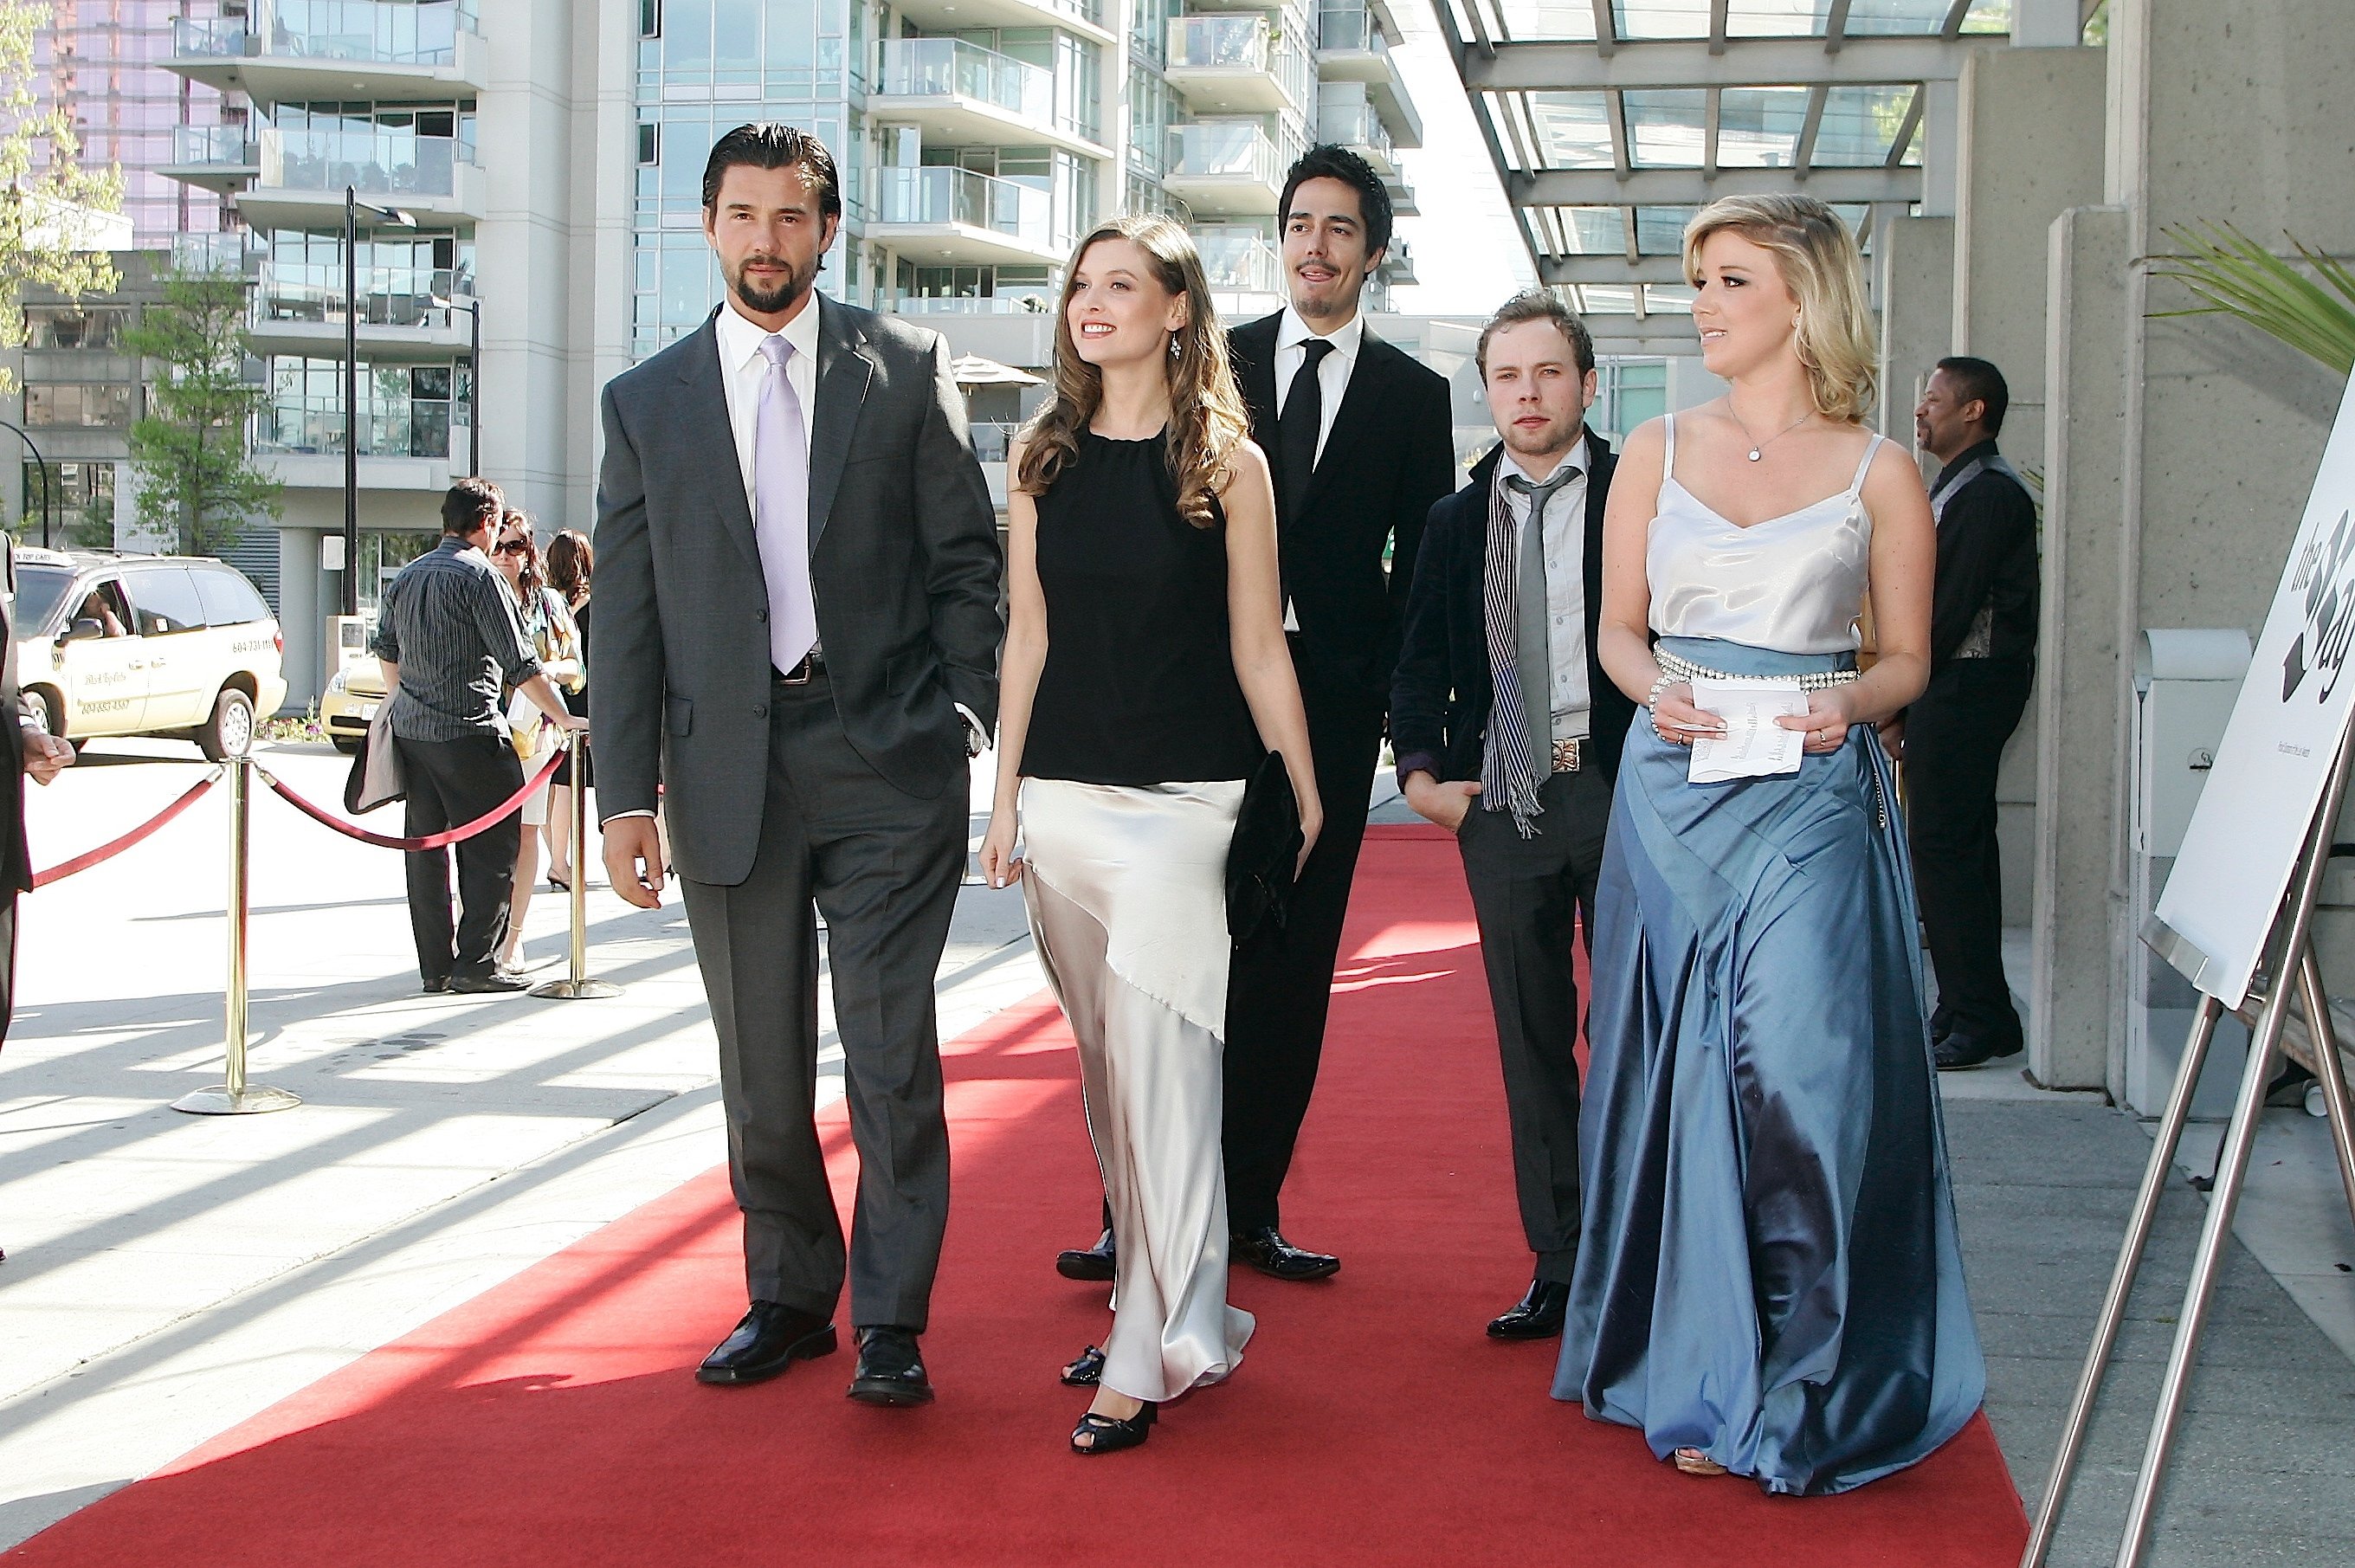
[542, 160]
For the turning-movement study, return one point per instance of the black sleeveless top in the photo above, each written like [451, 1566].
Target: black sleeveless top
[1139, 686]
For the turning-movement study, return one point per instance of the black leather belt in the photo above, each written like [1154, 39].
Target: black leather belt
[800, 674]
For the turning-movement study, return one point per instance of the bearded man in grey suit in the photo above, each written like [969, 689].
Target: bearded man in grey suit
[800, 645]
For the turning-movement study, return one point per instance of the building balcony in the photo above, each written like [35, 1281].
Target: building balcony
[1240, 263]
[302, 177]
[1398, 263]
[1089, 19]
[1221, 168]
[1230, 64]
[216, 157]
[960, 93]
[1401, 196]
[1346, 118]
[294, 51]
[955, 216]
[299, 310]
[1351, 48]
[401, 447]
[974, 304]
[217, 255]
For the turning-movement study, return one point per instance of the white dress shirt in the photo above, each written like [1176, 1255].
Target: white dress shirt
[1565, 570]
[1332, 376]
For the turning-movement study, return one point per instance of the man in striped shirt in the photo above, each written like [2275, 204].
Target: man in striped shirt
[448, 635]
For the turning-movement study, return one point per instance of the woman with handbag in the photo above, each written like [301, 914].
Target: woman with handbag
[1145, 677]
[548, 626]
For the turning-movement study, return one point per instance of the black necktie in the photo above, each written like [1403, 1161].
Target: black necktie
[1297, 427]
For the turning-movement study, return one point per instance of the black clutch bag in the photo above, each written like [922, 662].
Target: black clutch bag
[1266, 845]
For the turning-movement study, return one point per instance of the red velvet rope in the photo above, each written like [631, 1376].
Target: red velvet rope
[112, 848]
[489, 820]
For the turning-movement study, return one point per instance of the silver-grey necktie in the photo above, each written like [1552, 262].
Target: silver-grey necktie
[1532, 650]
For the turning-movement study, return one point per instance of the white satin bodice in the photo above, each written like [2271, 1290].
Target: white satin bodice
[1793, 583]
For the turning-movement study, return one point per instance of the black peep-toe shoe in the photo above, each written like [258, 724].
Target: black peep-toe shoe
[1087, 1371]
[1106, 1435]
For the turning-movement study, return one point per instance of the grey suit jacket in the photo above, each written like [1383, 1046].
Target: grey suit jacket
[904, 567]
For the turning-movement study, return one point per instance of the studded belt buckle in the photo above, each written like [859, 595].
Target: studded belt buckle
[1566, 755]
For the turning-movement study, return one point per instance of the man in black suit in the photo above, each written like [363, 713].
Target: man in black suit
[1982, 662]
[797, 635]
[1362, 442]
[25, 748]
[1507, 732]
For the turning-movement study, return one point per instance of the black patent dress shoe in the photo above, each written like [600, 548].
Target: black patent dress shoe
[1278, 1259]
[1095, 1264]
[1105, 1434]
[891, 1369]
[1539, 1315]
[1959, 1051]
[498, 983]
[770, 1338]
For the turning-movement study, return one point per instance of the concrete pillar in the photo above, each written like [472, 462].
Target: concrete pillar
[2046, 24]
[1940, 103]
[1915, 260]
[300, 611]
[2079, 777]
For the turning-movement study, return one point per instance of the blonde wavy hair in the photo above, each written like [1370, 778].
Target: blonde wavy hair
[1206, 418]
[1819, 263]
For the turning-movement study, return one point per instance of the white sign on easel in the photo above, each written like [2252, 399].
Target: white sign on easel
[2253, 817]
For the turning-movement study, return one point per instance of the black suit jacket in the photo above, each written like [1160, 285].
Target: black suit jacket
[15, 860]
[904, 568]
[1440, 700]
[1391, 454]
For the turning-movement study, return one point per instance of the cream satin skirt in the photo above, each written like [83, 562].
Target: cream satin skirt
[1126, 894]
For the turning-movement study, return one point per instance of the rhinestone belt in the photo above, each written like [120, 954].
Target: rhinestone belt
[1813, 681]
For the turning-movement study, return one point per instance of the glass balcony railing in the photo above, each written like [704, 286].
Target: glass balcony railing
[974, 304]
[388, 296]
[381, 32]
[1224, 147]
[990, 438]
[940, 195]
[1354, 124]
[212, 146]
[1240, 263]
[232, 254]
[1350, 28]
[379, 162]
[917, 68]
[314, 427]
[1205, 43]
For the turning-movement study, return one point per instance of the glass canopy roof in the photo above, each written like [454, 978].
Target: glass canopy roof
[1622, 255]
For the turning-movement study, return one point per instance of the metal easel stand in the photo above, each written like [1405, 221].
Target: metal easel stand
[2296, 959]
[235, 1096]
[577, 985]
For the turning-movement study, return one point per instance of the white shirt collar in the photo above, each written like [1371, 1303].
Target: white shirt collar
[1293, 331]
[1574, 457]
[741, 339]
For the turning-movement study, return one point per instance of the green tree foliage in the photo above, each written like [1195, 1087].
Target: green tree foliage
[45, 194]
[197, 479]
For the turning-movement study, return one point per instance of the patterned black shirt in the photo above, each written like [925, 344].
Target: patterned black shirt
[449, 622]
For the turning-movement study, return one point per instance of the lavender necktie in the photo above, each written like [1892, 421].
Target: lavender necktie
[781, 511]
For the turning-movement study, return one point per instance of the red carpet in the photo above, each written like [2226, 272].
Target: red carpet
[553, 1420]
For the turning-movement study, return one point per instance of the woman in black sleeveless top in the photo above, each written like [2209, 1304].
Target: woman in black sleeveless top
[1145, 674]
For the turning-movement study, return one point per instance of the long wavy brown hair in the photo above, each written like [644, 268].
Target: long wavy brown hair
[1206, 418]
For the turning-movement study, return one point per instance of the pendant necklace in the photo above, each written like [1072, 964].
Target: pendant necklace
[1758, 448]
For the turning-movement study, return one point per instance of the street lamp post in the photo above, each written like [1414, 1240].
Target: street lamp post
[353, 208]
[49, 482]
[473, 307]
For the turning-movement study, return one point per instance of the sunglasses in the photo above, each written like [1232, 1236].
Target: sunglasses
[512, 547]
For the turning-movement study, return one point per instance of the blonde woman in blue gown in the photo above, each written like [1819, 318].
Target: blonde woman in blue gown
[1769, 1282]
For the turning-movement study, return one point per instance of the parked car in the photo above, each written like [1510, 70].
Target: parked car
[146, 645]
[350, 701]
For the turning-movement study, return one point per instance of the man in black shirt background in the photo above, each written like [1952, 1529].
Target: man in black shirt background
[1982, 661]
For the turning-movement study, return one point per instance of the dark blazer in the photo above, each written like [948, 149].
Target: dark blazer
[1439, 702]
[15, 860]
[1391, 454]
[904, 568]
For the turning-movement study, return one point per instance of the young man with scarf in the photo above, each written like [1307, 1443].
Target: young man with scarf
[1507, 733]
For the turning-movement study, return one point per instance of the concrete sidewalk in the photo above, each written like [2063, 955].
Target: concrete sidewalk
[169, 1276]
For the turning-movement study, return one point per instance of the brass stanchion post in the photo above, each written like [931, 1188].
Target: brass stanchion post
[577, 985]
[235, 1096]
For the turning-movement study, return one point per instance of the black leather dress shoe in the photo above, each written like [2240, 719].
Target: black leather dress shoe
[434, 984]
[891, 1369]
[770, 1338]
[1096, 1263]
[1959, 1051]
[1539, 1315]
[498, 983]
[1278, 1259]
